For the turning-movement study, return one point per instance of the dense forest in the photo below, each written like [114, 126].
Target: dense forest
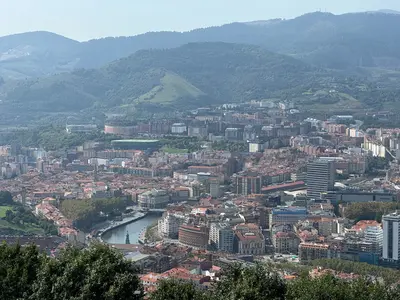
[369, 210]
[50, 138]
[100, 272]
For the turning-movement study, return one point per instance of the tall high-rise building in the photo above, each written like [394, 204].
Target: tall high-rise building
[247, 184]
[320, 177]
[391, 233]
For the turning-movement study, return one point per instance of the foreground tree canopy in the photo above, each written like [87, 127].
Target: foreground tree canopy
[94, 273]
[102, 273]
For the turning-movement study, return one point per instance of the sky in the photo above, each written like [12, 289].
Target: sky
[89, 19]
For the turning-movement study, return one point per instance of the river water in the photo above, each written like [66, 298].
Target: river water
[118, 235]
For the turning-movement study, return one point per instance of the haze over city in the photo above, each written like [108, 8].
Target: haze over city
[89, 19]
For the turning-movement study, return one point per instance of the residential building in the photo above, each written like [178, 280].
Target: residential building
[168, 225]
[234, 134]
[375, 146]
[256, 147]
[320, 177]
[178, 128]
[215, 190]
[374, 236]
[391, 239]
[312, 251]
[285, 242]
[198, 131]
[246, 184]
[222, 236]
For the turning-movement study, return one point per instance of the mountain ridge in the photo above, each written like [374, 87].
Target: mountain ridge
[323, 39]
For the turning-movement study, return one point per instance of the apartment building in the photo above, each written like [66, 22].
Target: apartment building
[311, 251]
[222, 236]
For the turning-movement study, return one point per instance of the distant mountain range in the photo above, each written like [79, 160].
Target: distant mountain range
[386, 11]
[322, 39]
[320, 61]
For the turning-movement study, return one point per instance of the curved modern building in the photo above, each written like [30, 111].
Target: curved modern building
[194, 236]
[119, 130]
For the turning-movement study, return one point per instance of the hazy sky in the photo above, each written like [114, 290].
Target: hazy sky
[87, 19]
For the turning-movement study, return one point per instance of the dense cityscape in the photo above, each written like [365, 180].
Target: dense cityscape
[295, 191]
[248, 161]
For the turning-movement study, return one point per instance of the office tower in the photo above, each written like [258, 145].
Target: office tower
[391, 241]
[320, 177]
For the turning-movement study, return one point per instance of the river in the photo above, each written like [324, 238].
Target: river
[118, 235]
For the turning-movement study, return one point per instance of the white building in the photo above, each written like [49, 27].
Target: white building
[256, 147]
[154, 199]
[222, 236]
[375, 146]
[178, 128]
[80, 128]
[391, 232]
[374, 235]
[168, 225]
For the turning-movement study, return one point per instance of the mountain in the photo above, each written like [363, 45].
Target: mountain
[36, 54]
[333, 41]
[178, 78]
[386, 11]
[323, 39]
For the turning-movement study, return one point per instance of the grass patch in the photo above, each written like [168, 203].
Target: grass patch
[3, 210]
[344, 102]
[172, 89]
[174, 150]
[26, 228]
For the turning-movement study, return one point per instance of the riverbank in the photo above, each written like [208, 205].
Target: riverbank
[117, 224]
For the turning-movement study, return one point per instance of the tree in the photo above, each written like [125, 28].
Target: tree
[328, 287]
[95, 273]
[6, 198]
[250, 283]
[9, 215]
[18, 270]
[322, 288]
[173, 289]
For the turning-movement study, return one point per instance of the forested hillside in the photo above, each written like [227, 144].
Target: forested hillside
[213, 72]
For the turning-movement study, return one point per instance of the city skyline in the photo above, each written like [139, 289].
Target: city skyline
[96, 19]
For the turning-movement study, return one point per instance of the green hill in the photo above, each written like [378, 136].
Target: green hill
[172, 89]
[213, 72]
